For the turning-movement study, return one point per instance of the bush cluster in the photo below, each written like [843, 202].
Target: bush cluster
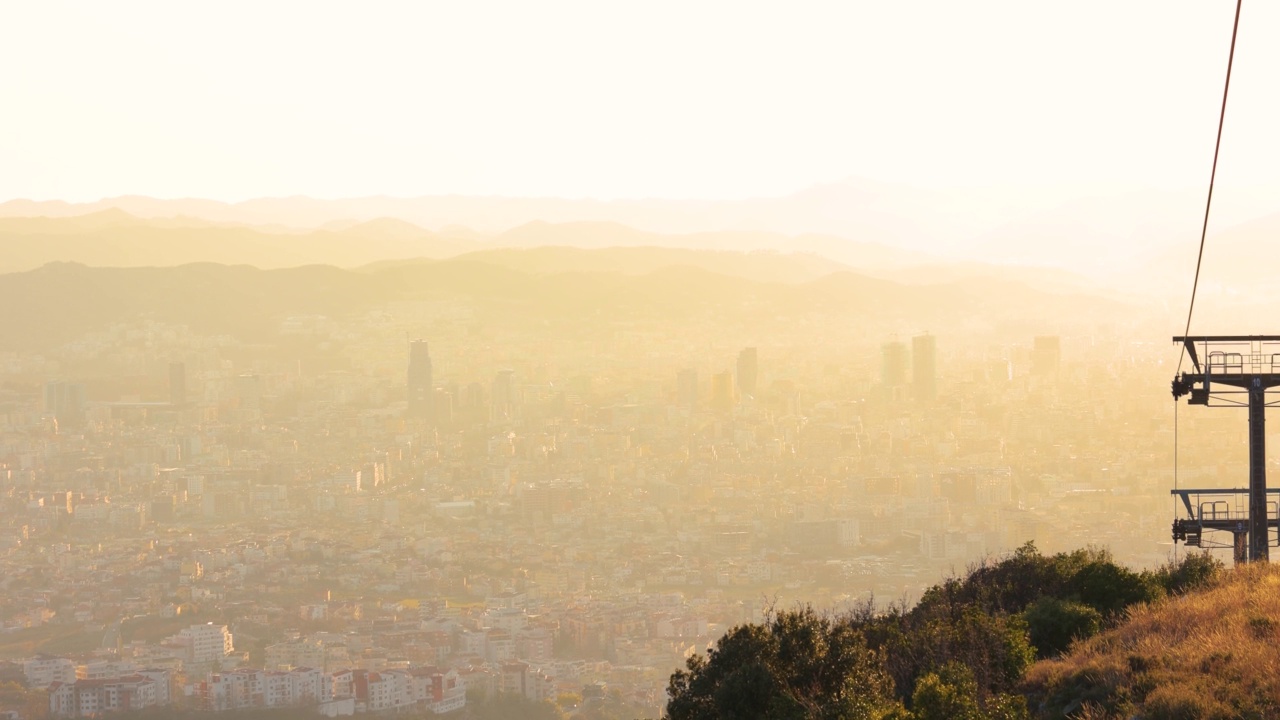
[961, 652]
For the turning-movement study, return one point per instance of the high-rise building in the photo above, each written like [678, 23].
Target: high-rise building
[420, 388]
[177, 384]
[893, 368]
[55, 393]
[722, 391]
[1046, 354]
[747, 372]
[924, 367]
[204, 644]
[687, 388]
[65, 401]
[503, 395]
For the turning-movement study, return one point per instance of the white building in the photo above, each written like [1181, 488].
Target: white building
[439, 692]
[380, 691]
[246, 688]
[90, 698]
[201, 644]
[235, 690]
[42, 671]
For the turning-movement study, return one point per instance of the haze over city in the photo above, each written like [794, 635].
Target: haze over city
[499, 359]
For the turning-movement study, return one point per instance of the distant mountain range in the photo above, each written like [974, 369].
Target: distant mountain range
[857, 209]
[759, 266]
[62, 301]
[115, 238]
[1139, 245]
[1119, 239]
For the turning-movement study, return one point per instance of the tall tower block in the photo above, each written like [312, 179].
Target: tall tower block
[893, 366]
[503, 396]
[420, 388]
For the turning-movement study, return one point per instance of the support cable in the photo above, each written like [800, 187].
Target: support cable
[1213, 174]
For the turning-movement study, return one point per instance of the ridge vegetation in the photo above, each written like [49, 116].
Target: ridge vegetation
[1210, 654]
[969, 649]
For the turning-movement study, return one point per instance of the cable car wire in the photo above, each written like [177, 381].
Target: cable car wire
[1213, 174]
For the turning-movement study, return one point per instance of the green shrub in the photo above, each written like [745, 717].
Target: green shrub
[948, 694]
[796, 665]
[1053, 624]
[1195, 571]
[1110, 588]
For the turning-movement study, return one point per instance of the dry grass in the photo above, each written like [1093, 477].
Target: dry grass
[1214, 653]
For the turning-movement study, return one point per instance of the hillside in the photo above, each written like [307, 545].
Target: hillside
[857, 253]
[1207, 654]
[1001, 222]
[761, 266]
[855, 208]
[115, 238]
[62, 301]
[968, 649]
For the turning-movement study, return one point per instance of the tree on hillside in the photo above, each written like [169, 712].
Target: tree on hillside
[796, 665]
[29, 703]
[1197, 570]
[1054, 623]
[995, 649]
[948, 694]
[1062, 597]
[1088, 575]
[962, 652]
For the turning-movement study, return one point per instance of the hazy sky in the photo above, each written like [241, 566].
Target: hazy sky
[233, 100]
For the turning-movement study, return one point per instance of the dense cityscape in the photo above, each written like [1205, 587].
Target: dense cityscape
[363, 516]
[569, 360]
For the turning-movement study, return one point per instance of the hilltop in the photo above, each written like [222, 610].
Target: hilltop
[1030, 636]
[759, 266]
[61, 301]
[112, 236]
[1143, 240]
[115, 238]
[1207, 654]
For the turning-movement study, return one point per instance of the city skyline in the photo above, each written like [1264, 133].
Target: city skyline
[598, 361]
